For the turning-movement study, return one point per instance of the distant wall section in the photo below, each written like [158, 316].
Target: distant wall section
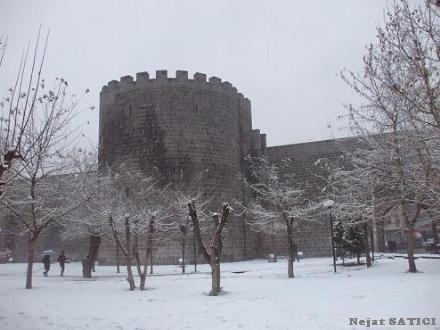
[312, 236]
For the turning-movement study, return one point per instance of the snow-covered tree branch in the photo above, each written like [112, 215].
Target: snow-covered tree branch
[399, 120]
[278, 202]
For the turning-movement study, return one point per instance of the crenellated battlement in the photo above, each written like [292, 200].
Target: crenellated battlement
[143, 79]
[188, 128]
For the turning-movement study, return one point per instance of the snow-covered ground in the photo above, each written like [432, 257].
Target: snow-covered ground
[256, 295]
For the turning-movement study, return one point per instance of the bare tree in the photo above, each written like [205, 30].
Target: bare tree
[178, 195]
[27, 102]
[3, 42]
[109, 217]
[214, 252]
[186, 198]
[278, 202]
[351, 188]
[125, 206]
[404, 63]
[149, 216]
[399, 120]
[82, 223]
[35, 127]
[42, 194]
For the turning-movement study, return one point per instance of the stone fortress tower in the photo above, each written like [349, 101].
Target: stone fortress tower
[190, 130]
[186, 128]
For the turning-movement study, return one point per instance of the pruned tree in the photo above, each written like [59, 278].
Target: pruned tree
[125, 206]
[194, 202]
[399, 120]
[278, 202]
[109, 205]
[178, 196]
[213, 252]
[148, 214]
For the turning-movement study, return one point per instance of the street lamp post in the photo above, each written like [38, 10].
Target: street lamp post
[329, 204]
[195, 253]
[333, 242]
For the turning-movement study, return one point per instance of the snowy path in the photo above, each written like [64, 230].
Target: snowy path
[260, 298]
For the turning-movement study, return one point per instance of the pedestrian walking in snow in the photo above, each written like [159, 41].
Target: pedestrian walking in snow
[295, 252]
[46, 262]
[86, 267]
[62, 260]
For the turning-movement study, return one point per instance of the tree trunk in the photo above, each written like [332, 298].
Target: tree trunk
[196, 226]
[128, 257]
[291, 257]
[141, 268]
[372, 243]
[245, 256]
[410, 250]
[434, 235]
[143, 274]
[290, 246]
[30, 260]
[183, 253]
[214, 258]
[143, 278]
[366, 245]
[95, 242]
[117, 259]
[88, 263]
[195, 253]
[149, 254]
[87, 268]
[130, 278]
[290, 267]
[215, 278]
[216, 253]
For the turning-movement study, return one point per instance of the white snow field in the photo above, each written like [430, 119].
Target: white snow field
[256, 295]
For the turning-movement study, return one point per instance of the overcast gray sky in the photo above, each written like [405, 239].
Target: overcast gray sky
[283, 55]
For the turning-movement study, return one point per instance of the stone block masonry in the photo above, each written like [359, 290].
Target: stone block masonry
[190, 130]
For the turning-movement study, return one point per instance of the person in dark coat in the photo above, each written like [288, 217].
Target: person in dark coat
[86, 266]
[46, 262]
[295, 252]
[62, 260]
